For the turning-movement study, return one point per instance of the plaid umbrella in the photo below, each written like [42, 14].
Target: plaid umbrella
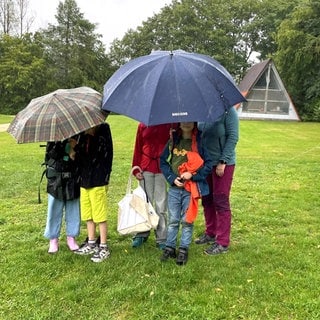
[58, 115]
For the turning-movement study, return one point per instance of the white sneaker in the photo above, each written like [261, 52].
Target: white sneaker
[86, 249]
[102, 254]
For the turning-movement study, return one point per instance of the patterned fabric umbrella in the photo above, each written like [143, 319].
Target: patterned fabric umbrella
[58, 115]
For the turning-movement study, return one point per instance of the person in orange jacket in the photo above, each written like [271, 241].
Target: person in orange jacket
[184, 142]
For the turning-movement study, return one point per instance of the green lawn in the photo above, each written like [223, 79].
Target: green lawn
[270, 272]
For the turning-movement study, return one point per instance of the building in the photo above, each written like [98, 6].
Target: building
[267, 98]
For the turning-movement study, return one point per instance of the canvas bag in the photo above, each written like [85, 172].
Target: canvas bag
[135, 213]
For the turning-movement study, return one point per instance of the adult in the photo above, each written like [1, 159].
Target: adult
[220, 139]
[149, 144]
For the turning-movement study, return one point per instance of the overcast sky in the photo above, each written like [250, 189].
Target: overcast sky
[114, 17]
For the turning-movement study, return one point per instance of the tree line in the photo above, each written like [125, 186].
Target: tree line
[70, 53]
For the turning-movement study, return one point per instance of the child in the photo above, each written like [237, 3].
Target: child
[95, 153]
[63, 194]
[185, 166]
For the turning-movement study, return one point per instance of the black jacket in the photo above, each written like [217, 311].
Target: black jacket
[62, 173]
[95, 155]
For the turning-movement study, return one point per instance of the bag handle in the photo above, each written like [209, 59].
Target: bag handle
[129, 185]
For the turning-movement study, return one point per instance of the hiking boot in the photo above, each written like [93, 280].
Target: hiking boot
[53, 245]
[215, 249]
[182, 257]
[101, 254]
[86, 249]
[138, 241]
[72, 244]
[168, 252]
[204, 239]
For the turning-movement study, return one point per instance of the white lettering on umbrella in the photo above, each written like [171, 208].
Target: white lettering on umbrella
[175, 114]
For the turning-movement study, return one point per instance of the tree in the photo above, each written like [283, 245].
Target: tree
[14, 18]
[22, 72]
[230, 31]
[298, 58]
[75, 53]
[7, 16]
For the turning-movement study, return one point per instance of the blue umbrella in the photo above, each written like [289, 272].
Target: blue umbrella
[169, 87]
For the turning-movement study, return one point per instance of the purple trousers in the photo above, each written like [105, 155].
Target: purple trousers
[216, 205]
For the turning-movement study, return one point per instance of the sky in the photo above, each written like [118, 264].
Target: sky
[113, 17]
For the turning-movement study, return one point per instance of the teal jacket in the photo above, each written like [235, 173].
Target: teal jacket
[220, 138]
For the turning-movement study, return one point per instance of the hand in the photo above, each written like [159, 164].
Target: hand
[186, 176]
[73, 142]
[220, 169]
[139, 176]
[179, 182]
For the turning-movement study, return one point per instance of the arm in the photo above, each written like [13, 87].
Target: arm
[231, 133]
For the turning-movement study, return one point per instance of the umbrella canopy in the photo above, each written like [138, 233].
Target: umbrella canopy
[58, 115]
[169, 87]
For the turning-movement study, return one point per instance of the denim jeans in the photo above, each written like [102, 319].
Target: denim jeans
[178, 203]
[55, 214]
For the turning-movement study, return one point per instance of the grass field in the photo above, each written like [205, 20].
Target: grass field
[270, 272]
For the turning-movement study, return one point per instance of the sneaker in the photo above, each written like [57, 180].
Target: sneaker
[168, 252]
[138, 241]
[161, 245]
[204, 239]
[216, 249]
[182, 257]
[86, 249]
[72, 244]
[102, 254]
[53, 245]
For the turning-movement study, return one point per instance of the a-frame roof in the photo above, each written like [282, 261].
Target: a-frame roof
[252, 76]
[267, 98]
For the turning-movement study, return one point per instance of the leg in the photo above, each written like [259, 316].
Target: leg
[187, 228]
[222, 188]
[174, 208]
[209, 208]
[54, 218]
[161, 201]
[72, 217]
[98, 199]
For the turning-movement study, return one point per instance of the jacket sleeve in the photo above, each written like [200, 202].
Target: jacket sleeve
[232, 134]
[165, 165]
[108, 150]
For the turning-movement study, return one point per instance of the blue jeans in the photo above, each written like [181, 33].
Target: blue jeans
[178, 203]
[55, 214]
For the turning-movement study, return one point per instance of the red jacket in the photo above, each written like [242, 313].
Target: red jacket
[150, 142]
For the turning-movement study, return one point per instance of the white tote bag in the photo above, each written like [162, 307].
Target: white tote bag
[135, 214]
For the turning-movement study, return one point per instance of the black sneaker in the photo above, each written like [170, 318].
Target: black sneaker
[216, 249]
[168, 252]
[182, 257]
[205, 239]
